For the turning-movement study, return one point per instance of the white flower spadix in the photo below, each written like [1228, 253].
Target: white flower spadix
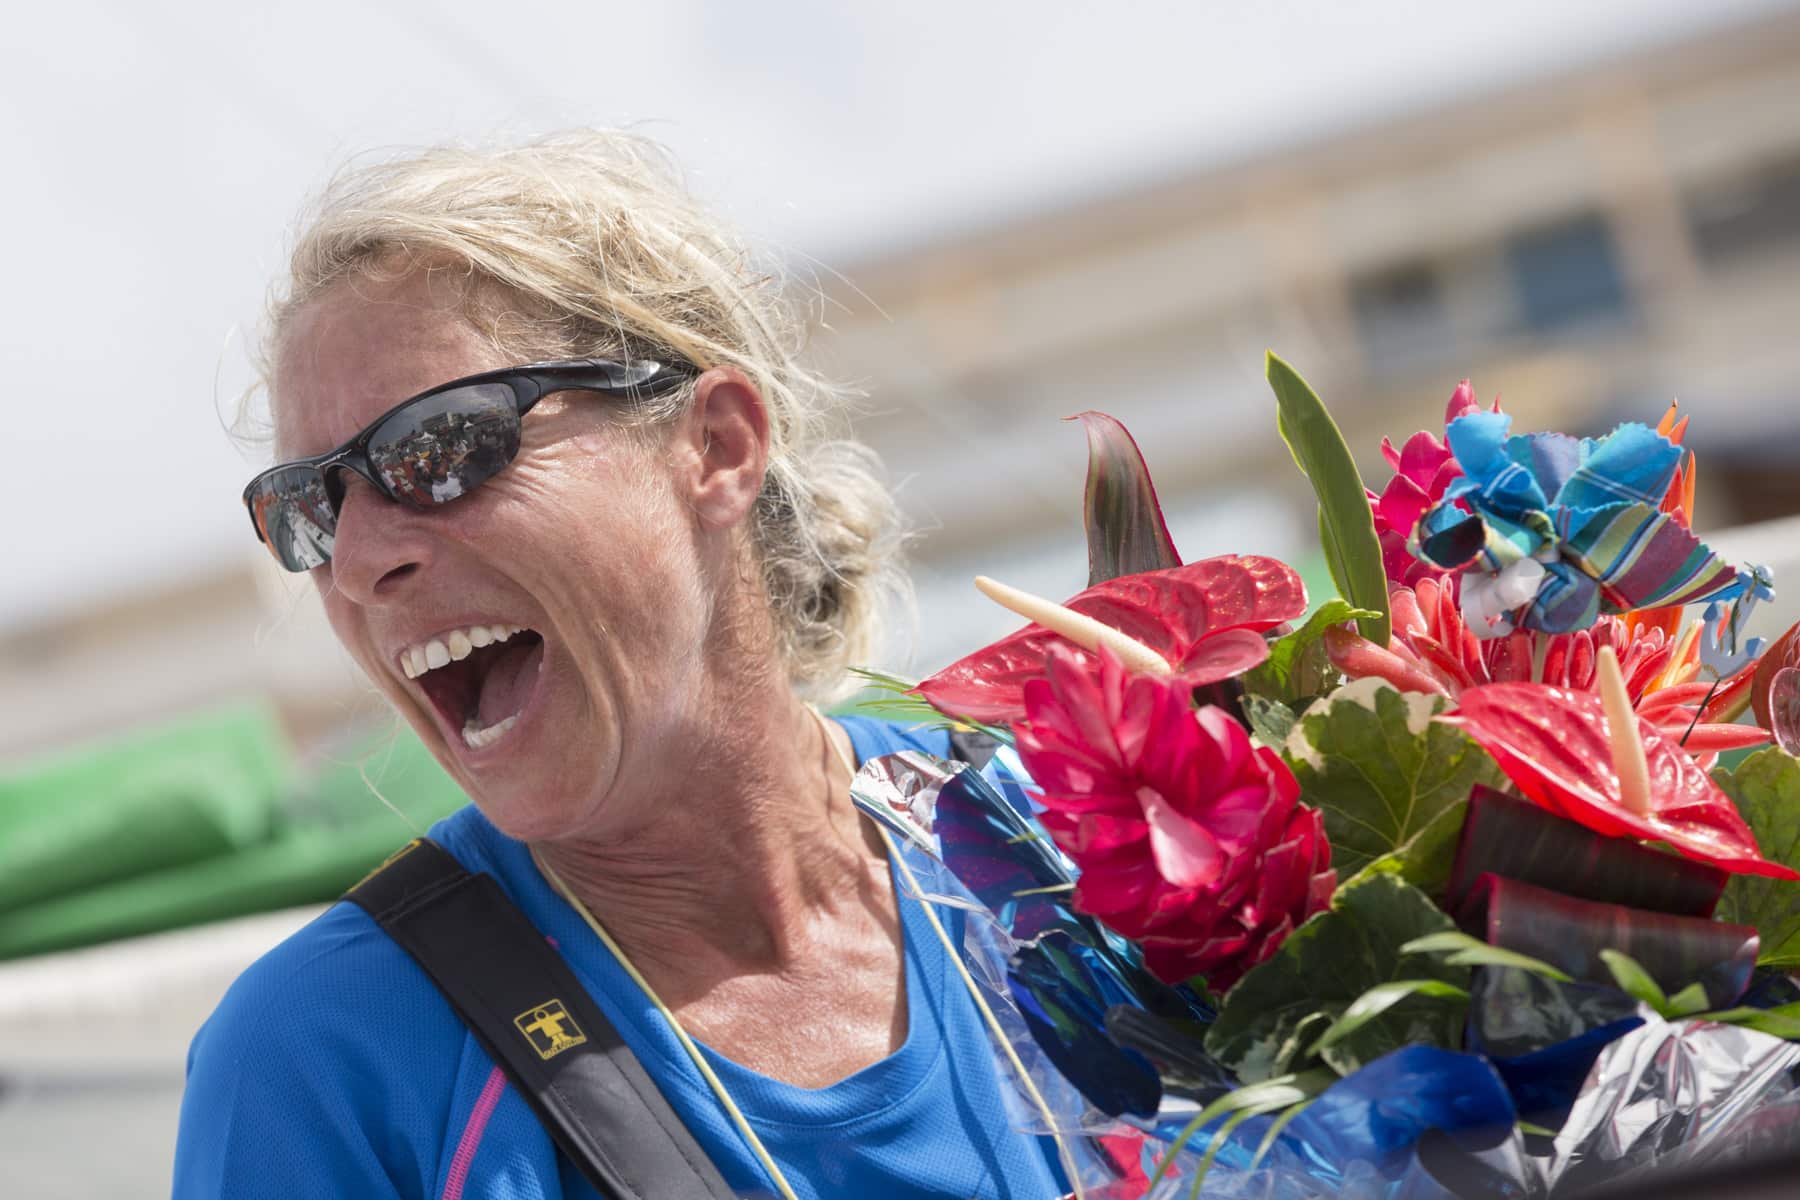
[1084, 631]
[1628, 758]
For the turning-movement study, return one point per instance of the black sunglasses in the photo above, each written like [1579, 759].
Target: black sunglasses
[431, 449]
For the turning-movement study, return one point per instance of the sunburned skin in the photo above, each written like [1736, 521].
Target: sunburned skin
[628, 714]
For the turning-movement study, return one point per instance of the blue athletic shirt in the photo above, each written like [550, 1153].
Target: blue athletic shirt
[333, 1067]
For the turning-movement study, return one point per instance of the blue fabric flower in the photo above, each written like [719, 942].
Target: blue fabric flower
[1586, 512]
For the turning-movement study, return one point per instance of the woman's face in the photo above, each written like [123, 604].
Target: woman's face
[587, 544]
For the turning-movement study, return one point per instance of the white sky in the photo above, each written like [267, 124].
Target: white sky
[152, 157]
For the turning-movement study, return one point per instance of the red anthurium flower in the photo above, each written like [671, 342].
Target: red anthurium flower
[1206, 619]
[1552, 743]
[1190, 840]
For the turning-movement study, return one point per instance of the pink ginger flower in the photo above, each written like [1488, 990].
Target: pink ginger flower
[1190, 840]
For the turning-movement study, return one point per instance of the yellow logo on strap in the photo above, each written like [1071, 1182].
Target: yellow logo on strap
[549, 1028]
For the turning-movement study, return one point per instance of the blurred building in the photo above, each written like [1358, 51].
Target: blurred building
[1588, 246]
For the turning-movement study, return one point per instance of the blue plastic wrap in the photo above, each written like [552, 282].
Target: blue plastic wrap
[1421, 1123]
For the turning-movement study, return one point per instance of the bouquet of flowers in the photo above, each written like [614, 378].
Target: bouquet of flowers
[1477, 878]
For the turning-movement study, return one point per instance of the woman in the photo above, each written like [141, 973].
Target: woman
[606, 635]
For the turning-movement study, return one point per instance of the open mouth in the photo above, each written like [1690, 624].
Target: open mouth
[479, 678]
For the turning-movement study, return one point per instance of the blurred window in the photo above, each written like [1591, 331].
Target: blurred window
[1401, 316]
[1738, 219]
[1567, 275]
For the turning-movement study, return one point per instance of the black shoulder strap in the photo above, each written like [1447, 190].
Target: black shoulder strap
[524, 1004]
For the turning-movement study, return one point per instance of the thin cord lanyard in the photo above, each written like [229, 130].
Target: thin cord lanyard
[687, 1043]
[718, 1086]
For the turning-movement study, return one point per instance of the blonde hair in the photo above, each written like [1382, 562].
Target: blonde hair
[587, 244]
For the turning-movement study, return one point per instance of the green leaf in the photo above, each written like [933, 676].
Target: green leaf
[1296, 667]
[1426, 858]
[1126, 533]
[893, 699]
[1634, 981]
[1781, 1022]
[1688, 1001]
[1465, 951]
[1766, 789]
[1274, 1131]
[1218, 1143]
[1266, 1096]
[1325, 966]
[1379, 999]
[1297, 1048]
[1270, 720]
[1346, 525]
[1382, 771]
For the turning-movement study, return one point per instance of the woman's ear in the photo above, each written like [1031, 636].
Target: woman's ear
[723, 447]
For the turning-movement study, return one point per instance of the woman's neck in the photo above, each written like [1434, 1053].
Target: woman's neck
[745, 854]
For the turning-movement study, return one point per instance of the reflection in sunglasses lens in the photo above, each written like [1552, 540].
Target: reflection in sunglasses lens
[441, 447]
[297, 517]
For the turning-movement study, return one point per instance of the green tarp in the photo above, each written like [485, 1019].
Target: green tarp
[199, 820]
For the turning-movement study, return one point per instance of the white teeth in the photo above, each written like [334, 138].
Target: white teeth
[476, 738]
[452, 647]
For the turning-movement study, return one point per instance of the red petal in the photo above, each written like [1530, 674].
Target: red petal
[1172, 611]
[1397, 562]
[1553, 744]
[1229, 745]
[1449, 472]
[1113, 894]
[1462, 402]
[1287, 788]
[1677, 693]
[1099, 833]
[1245, 818]
[1405, 614]
[1319, 891]
[1402, 503]
[1709, 739]
[1186, 854]
[1422, 456]
[1359, 658]
[1221, 655]
[1282, 887]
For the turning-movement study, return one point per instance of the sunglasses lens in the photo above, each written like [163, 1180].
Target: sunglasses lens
[447, 444]
[295, 515]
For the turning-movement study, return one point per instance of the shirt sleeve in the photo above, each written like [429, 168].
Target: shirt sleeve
[255, 1123]
[318, 1075]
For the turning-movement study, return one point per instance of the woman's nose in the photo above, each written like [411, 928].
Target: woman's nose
[379, 546]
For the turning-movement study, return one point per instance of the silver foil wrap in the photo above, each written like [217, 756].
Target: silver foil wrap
[1682, 1093]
